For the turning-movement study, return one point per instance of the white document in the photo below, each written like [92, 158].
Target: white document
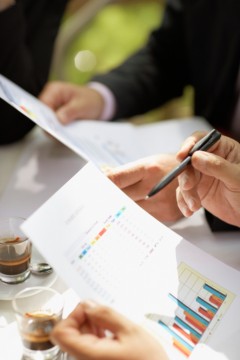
[104, 143]
[108, 249]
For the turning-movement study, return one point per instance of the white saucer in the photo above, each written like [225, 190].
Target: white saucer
[7, 292]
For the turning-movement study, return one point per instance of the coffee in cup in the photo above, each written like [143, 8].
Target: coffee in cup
[15, 251]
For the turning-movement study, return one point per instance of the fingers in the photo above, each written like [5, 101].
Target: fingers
[51, 94]
[72, 102]
[69, 111]
[106, 318]
[188, 144]
[72, 337]
[217, 167]
[195, 182]
[187, 196]
[187, 202]
[126, 176]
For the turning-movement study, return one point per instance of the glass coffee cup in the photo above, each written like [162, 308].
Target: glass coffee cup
[38, 310]
[15, 251]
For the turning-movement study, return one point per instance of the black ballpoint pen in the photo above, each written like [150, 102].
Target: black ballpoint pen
[204, 144]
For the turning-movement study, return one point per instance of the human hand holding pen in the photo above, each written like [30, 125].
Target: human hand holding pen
[213, 180]
[203, 144]
[137, 178]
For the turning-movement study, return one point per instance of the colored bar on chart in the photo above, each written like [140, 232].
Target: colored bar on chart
[206, 305]
[176, 337]
[188, 336]
[193, 321]
[191, 312]
[214, 292]
[206, 313]
[215, 300]
[102, 232]
[187, 327]
[181, 348]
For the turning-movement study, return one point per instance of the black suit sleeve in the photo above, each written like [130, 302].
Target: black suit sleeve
[27, 34]
[216, 224]
[156, 73]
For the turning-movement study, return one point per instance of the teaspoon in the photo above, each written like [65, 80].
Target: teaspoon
[41, 269]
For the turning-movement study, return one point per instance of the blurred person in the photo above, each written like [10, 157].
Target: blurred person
[197, 44]
[28, 30]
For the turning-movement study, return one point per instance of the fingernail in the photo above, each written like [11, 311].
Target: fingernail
[202, 156]
[191, 204]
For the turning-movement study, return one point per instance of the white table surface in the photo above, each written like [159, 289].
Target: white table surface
[57, 164]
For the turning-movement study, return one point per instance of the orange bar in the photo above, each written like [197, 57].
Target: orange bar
[190, 336]
[182, 348]
[206, 313]
[195, 322]
[215, 300]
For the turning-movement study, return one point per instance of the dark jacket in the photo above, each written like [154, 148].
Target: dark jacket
[27, 34]
[197, 44]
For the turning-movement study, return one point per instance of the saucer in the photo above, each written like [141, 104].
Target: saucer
[7, 291]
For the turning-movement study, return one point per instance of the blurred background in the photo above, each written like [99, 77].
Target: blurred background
[97, 35]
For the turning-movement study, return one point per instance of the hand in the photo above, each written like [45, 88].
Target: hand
[72, 102]
[213, 180]
[83, 336]
[4, 4]
[136, 179]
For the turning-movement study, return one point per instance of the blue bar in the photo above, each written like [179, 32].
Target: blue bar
[206, 305]
[176, 336]
[190, 311]
[214, 291]
[188, 327]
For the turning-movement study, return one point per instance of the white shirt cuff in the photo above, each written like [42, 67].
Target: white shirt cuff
[109, 100]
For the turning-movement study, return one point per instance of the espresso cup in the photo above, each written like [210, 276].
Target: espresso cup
[15, 251]
[38, 310]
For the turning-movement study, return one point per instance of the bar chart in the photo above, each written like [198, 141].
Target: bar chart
[200, 305]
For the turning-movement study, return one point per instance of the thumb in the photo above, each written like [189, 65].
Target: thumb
[106, 318]
[214, 165]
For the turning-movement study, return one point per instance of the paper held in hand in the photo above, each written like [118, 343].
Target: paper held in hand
[104, 143]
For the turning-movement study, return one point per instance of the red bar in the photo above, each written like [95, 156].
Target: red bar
[195, 322]
[215, 300]
[190, 336]
[206, 313]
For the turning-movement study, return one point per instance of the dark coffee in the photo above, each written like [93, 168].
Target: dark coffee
[36, 334]
[15, 256]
